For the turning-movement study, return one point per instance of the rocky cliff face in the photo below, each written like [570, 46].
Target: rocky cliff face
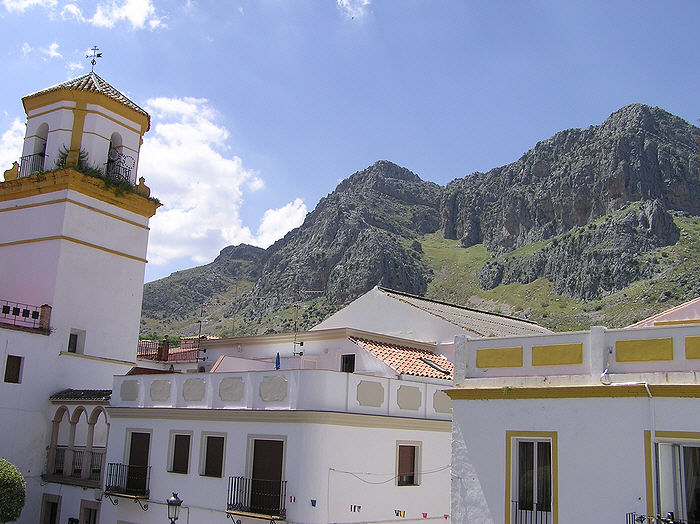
[575, 177]
[358, 236]
[595, 260]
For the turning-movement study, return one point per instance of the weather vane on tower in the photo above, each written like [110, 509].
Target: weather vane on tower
[95, 55]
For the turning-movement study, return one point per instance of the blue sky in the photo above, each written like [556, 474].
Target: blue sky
[259, 108]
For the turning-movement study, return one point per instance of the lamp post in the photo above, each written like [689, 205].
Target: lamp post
[174, 504]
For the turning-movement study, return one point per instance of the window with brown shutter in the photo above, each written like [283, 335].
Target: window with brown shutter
[13, 368]
[407, 466]
[214, 456]
[181, 454]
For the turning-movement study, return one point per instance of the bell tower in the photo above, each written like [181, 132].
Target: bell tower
[75, 221]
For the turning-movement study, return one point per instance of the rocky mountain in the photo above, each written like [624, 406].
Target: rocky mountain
[587, 211]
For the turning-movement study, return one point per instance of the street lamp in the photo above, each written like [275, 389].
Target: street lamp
[174, 504]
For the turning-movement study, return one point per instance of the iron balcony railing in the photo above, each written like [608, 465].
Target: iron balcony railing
[19, 314]
[263, 497]
[635, 518]
[531, 513]
[125, 479]
[59, 459]
[119, 171]
[77, 468]
[188, 350]
[96, 460]
[30, 164]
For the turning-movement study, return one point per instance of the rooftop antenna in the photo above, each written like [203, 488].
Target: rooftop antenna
[94, 56]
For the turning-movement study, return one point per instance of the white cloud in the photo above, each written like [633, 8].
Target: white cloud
[26, 49]
[276, 223]
[22, 5]
[75, 66]
[354, 8]
[139, 13]
[184, 162]
[11, 144]
[52, 51]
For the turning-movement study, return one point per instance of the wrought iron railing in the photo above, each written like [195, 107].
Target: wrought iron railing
[119, 171]
[124, 479]
[96, 460]
[188, 350]
[77, 467]
[264, 497]
[19, 314]
[530, 513]
[636, 518]
[58, 460]
[30, 164]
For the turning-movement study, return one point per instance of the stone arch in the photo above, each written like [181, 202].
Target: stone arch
[41, 136]
[98, 420]
[60, 440]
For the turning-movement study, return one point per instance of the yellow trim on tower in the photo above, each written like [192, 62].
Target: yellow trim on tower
[70, 200]
[680, 435]
[76, 241]
[37, 101]
[554, 392]
[76, 137]
[692, 348]
[644, 350]
[70, 179]
[510, 357]
[648, 472]
[557, 355]
[540, 435]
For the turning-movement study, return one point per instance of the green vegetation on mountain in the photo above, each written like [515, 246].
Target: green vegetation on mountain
[596, 226]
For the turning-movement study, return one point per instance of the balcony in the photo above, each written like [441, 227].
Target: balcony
[30, 164]
[257, 498]
[530, 513]
[25, 316]
[166, 351]
[128, 481]
[76, 466]
[299, 389]
[634, 518]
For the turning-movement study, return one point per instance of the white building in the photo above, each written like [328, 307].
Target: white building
[594, 426]
[72, 253]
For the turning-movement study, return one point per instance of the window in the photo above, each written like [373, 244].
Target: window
[13, 369]
[531, 488]
[678, 482]
[213, 459]
[180, 457]
[407, 463]
[50, 509]
[76, 341]
[347, 363]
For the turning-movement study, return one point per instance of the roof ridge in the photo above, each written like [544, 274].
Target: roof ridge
[466, 308]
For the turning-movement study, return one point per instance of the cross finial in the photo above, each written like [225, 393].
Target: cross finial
[94, 56]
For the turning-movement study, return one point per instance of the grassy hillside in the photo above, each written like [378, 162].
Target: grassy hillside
[676, 281]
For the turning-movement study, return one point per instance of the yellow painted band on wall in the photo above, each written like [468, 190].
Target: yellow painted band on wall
[76, 138]
[648, 473]
[557, 355]
[75, 241]
[692, 348]
[644, 350]
[511, 357]
[558, 392]
[676, 322]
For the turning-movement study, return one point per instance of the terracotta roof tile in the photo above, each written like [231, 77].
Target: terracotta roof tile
[93, 83]
[100, 395]
[407, 360]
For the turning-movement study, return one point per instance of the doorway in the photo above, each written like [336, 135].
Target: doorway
[266, 490]
[137, 471]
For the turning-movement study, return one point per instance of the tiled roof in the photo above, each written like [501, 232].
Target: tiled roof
[85, 395]
[480, 323]
[138, 370]
[407, 360]
[93, 83]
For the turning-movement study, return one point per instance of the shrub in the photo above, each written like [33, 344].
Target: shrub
[12, 490]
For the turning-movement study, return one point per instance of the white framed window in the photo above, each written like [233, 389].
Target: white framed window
[76, 341]
[179, 451]
[678, 480]
[408, 463]
[212, 453]
[531, 484]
